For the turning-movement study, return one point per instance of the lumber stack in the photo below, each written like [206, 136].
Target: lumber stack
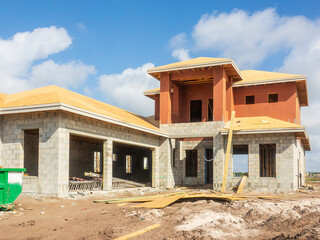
[164, 200]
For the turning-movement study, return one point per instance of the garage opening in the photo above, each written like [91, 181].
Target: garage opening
[132, 164]
[85, 163]
[31, 152]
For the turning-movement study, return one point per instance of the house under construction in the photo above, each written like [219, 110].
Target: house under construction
[68, 141]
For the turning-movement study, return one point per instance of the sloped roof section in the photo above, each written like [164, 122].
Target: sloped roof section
[255, 77]
[152, 92]
[264, 124]
[2, 97]
[56, 95]
[200, 62]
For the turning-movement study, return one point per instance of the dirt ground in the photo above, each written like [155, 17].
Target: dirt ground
[295, 216]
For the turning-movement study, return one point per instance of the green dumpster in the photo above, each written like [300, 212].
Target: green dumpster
[10, 186]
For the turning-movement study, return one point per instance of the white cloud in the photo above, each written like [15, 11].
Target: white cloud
[251, 38]
[181, 54]
[179, 40]
[18, 54]
[71, 74]
[125, 90]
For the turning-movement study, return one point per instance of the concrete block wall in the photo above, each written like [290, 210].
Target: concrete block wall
[299, 164]
[285, 149]
[29, 184]
[55, 128]
[180, 164]
[192, 131]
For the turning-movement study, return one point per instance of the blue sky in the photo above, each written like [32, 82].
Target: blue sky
[103, 48]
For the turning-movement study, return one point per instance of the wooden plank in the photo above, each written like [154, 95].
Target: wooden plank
[139, 198]
[160, 202]
[136, 233]
[241, 185]
[226, 162]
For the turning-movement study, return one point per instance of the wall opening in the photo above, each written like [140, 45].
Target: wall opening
[31, 152]
[174, 157]
[191, 163]
[210, 109]
[267, 154]
[195, 111]
[85, 156]
[273, 97]
[240, 159]
[250, 99]
[133, 163]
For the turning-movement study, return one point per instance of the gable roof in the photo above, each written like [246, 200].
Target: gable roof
[264, 124]
[54, 97]
[200, 62]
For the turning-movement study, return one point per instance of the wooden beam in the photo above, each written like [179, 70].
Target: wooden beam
[187, 75]
[226, 162]
[134, 234]
[241, 185]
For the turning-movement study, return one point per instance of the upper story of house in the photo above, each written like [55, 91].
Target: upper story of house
[209, 89]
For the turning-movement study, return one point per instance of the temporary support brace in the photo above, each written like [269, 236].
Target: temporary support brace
[226, 162]
[241, 185]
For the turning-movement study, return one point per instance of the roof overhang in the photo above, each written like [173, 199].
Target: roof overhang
[69, 108]
[152, 93]
[229, 64]
[300, 133]
[301, 83]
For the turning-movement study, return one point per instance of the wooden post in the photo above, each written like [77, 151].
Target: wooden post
[226, 162]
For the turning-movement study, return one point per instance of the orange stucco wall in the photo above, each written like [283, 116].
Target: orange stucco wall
[173, 104]
[201, 92]
[165, 99]
[285, 109]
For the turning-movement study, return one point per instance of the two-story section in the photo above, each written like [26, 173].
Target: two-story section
[194, 105]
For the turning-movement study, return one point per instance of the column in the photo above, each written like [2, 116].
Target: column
[219, 94]
[165, 99]
[107, 165]
[218, 162]
[155, 168]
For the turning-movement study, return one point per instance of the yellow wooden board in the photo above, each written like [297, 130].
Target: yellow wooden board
[226, 162]
[161, 202]
[134, 234]
[242, 183]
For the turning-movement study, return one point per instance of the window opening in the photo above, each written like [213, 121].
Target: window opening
[174, 157]
[195, 111]
[272, 97]
[267, 154]
[191, 163]
[31, 152]
[128, 164]
[97, 160]
[240, 159]
[250, 99]
[145, 163]
[210, 109]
